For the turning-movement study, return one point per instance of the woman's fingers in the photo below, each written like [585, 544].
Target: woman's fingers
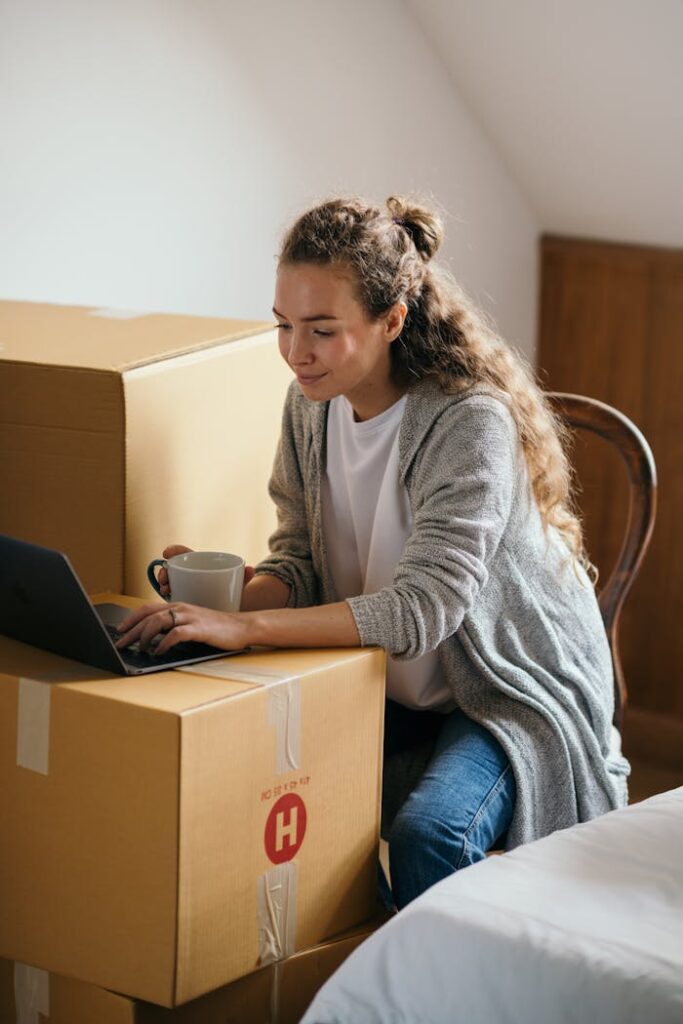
[159, 627]
[132, 628]
[161, 622]
[139, 614]
[174, 549]
[162, 578]
[177, 635]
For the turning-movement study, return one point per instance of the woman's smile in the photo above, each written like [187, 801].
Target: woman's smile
[307, 379]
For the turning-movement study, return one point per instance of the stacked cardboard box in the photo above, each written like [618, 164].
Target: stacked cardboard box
[278, 994]
[189, 839]
[121, 433]
[166, 834]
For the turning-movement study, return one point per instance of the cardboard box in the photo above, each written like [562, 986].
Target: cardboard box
[165, 834]
[278, 994]
[122, 433]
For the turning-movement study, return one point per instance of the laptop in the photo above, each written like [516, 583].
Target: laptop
[43, 603]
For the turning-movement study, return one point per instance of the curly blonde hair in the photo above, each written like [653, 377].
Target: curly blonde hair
[445, 336]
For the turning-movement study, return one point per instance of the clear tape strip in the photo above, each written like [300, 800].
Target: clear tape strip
[277, 912]
[33, 726]
[222, 670]
[31, 993]
[284, 712]
[284, 706]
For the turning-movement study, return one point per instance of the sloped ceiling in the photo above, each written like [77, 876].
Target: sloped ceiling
[583, 100]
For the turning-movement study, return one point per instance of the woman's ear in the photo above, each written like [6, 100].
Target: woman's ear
[394, 320]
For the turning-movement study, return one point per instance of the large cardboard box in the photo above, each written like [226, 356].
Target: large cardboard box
[278, 994]
[122, 433]
[165, 834]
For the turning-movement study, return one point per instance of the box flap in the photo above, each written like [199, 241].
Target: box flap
[97, 339]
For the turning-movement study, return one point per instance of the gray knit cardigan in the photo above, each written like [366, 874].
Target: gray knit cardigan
[517, 628]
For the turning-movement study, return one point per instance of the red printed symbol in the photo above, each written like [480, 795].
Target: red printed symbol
[285, 828]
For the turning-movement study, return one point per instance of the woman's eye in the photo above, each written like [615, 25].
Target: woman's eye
[283, 327]
[323, 334]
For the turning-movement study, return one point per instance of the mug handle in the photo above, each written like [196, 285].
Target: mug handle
[151, 576]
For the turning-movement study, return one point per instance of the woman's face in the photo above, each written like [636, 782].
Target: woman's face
[328, 341]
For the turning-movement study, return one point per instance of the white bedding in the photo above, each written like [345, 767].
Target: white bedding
[583, 926]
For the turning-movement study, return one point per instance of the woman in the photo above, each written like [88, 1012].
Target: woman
[423, 506]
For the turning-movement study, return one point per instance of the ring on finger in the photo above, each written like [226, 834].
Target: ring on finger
[174, 617]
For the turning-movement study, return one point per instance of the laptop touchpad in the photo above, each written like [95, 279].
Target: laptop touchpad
[112, 614]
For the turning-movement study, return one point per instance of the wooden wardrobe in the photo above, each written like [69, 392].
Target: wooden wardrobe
[611, 326]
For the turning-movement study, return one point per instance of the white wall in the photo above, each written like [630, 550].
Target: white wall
[156, 150]
[584, 102]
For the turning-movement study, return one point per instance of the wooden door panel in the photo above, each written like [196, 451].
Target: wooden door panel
[611, 326]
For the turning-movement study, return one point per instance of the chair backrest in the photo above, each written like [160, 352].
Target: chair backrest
[582, 413]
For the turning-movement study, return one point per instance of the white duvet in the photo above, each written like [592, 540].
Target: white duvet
[583, 926]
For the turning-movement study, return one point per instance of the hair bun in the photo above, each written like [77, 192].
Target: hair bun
[422, 224]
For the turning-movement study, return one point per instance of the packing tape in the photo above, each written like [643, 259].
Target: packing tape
[31, 993]
[223, 670]
[33, 726]
[277, 912]
[277, 887]
[284, 712]
[284, 705]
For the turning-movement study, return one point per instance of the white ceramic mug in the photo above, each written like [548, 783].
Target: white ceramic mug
[212, 579]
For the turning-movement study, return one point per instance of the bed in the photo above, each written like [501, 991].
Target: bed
[585, 925]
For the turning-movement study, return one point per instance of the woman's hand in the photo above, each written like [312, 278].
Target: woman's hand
[176, 622]
[169, 552]
[179, 549]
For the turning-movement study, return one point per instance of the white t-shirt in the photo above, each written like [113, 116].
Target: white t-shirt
[366, 521]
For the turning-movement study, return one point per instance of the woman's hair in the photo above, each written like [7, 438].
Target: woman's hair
[445, 336]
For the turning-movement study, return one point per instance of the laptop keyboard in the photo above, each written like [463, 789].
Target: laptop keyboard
[133, 656]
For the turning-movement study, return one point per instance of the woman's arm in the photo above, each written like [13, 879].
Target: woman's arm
[264, 592]
[328, 625]
[463, 483]
[290, 558]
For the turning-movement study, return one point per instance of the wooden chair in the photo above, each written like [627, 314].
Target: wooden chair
[582, 413]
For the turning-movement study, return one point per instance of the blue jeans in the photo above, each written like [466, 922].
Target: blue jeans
[460, 807]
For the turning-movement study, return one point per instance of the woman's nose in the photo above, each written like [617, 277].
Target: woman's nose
[299, 350]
